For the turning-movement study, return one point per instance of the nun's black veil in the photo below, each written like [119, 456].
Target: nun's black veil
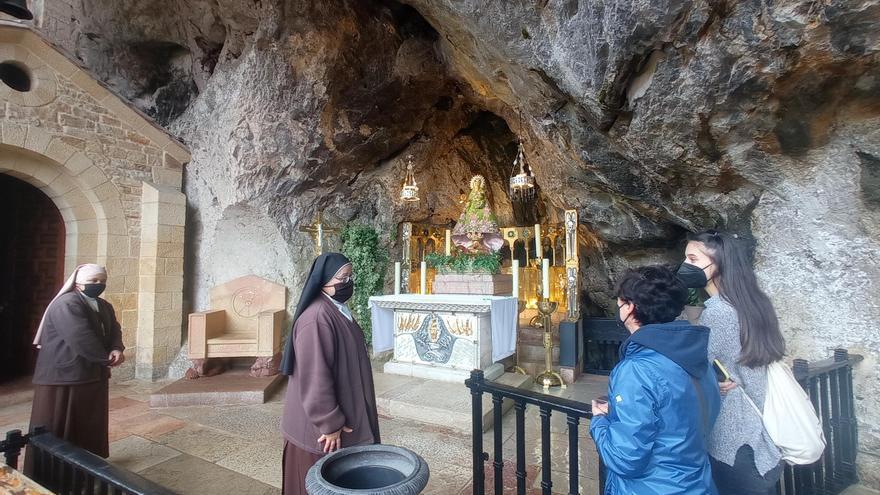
[323, 269]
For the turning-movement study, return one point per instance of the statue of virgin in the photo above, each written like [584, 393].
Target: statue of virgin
[477, 228]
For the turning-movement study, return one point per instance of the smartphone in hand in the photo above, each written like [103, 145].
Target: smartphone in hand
[721, 373]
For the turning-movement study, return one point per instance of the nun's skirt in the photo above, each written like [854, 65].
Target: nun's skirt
[296, 462]
[78, 414]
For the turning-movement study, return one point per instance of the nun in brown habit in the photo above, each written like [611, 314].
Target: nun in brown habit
[330, 402]
[79, 340]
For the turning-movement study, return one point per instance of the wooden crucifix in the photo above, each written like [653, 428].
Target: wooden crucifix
[317, 230]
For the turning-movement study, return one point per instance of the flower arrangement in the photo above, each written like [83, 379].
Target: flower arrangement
[487, 263]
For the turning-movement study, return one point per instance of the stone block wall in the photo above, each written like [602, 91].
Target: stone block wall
[92, 154]
[161, 279]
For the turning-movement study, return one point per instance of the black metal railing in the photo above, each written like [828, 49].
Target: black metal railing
[574, 411]
[602, 339]
[829, 384]
[63, 468]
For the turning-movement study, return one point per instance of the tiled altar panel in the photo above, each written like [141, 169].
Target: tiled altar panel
[470, 335]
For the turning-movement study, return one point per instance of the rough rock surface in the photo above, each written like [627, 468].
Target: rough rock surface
[652, 118]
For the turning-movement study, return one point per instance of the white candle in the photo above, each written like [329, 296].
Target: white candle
[448, 242]
[396, 278]
[539, 253]
[423, 282]
[545, 268]
[515, 270]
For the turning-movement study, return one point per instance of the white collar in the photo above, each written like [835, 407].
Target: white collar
[342, 307]
[91, 301]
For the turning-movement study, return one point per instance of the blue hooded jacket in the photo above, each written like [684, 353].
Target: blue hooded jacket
[653, 439]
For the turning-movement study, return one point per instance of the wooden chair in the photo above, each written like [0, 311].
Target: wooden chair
[245, 320]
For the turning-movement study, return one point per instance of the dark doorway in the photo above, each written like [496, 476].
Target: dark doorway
[31, 270]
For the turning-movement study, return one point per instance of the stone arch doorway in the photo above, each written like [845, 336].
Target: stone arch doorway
[32, 262]
[51, 222]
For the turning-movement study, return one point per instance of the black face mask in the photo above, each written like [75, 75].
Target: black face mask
[692, 276]
[344, 291]
[93, 290]
[622, 323]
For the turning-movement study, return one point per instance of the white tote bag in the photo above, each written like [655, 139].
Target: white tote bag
[789, 417]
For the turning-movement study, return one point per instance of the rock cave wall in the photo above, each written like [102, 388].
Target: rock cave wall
[651, 118]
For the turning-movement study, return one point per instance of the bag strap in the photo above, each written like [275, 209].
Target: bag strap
[754, 406]
[749, 398]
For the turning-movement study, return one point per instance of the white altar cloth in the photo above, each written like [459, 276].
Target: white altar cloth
[502, 316]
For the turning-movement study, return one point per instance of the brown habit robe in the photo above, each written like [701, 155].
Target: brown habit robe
[71, 378]
[331, 387]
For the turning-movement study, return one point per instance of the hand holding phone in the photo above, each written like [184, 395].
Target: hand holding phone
[720, 371]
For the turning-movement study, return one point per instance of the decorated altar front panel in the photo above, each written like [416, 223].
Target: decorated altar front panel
[444, 336]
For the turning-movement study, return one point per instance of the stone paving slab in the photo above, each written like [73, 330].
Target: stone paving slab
[259, 461]
[204, 442]
[859, 490]
[233, 387]
[435, 402]
[137, 454]
[188, 475]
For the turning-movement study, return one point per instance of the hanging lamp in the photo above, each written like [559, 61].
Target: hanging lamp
[409, 192]
[522, 180]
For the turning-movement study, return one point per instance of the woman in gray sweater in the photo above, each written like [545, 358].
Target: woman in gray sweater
[744, 337]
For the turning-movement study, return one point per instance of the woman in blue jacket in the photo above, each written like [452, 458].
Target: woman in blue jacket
[663, 395]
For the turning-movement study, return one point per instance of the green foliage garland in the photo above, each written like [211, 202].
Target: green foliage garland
[465, 263]
[369, 260]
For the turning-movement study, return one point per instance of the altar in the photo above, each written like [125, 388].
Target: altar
[444, 336]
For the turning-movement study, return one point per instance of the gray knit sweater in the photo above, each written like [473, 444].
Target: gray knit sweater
[738, 423]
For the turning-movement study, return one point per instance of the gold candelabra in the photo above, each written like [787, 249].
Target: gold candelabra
[548, 378]
[521, 305]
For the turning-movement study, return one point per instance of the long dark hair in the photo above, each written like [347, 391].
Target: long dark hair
[762, 342]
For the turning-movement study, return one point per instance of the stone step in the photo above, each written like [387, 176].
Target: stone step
[438, 403]
[535, 336]
[859, 490]
[535, 353]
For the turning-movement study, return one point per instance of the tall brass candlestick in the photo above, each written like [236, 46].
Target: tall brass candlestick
[521, 305]
[548, 378]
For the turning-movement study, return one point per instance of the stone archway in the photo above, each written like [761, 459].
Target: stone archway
[95, 230]
[73, 185]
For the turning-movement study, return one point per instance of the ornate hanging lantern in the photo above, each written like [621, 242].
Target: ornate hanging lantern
[410, 191]
[522, 180]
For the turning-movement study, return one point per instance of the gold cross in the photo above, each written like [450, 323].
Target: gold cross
[318, 230]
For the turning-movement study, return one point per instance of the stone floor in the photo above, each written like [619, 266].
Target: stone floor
[237, 449]
[859, 490]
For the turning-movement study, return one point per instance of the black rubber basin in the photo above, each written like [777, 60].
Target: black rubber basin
[368, 469]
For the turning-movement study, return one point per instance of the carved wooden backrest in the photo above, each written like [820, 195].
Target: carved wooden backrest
[244, 298]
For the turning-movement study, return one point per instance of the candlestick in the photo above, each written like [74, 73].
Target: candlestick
[545, 277]
[396, 278]
[448, 242]
[514, 268]
[539, 253]
[548, 378]
[423, 278]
